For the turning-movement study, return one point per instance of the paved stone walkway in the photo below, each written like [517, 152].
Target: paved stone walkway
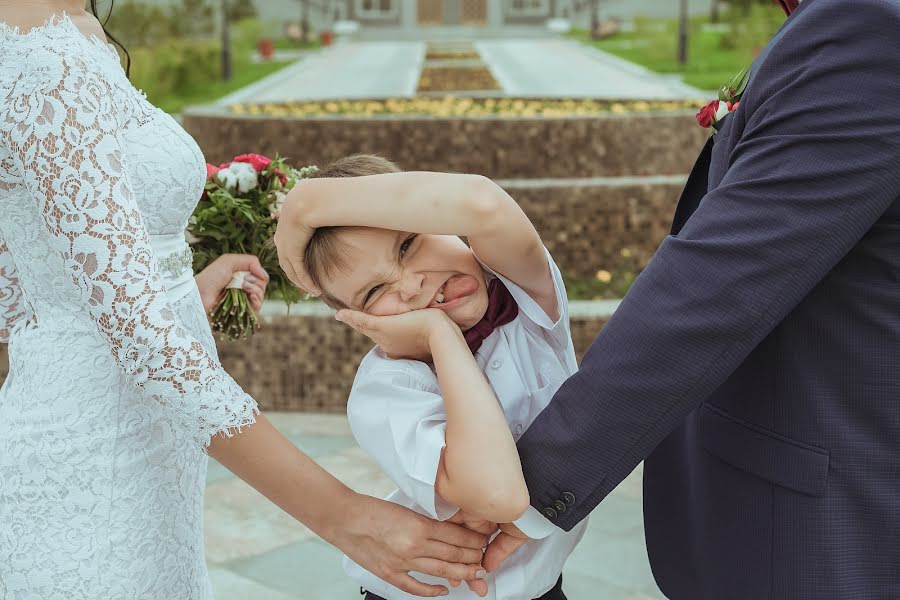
[256, 551]
[562, 68]
[541, 67]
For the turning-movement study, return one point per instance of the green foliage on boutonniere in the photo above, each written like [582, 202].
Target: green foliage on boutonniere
[734, 89]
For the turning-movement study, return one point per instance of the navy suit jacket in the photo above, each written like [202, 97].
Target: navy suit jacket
[755, 363]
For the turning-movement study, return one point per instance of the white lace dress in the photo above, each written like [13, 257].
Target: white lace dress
[115, 387]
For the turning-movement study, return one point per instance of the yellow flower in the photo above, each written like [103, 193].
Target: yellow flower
[626, 253]
[604, 276]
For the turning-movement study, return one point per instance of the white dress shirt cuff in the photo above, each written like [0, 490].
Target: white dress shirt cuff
[534, 525]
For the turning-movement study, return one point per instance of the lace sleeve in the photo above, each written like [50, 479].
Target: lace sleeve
[61, 123]
[12, 308]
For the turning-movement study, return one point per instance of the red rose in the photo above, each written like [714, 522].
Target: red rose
[257, 161]
[707, 114]
[281, 176]
[211, 171]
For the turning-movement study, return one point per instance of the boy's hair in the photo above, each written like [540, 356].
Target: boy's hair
[325, 254]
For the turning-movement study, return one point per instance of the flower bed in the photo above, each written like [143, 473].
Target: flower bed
[450, 106]
[452, 55]
[457, 79]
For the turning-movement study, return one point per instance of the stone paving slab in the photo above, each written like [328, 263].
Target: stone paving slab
[346, 70]
[254, 550]
[562, 68]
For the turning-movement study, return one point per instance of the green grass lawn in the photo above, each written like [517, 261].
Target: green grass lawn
[714, 56]
[244, 73]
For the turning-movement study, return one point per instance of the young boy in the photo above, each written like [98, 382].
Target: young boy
[473, 343]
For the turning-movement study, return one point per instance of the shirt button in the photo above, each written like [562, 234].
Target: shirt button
[568, 498]
[519, 428]
[550, 513]
[496, 364]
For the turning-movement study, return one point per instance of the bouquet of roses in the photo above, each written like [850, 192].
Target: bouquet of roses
[238, 213]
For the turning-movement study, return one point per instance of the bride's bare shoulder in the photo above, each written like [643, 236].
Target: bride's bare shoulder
[24, 21]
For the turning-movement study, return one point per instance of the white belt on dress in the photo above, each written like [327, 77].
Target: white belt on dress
[175, 259]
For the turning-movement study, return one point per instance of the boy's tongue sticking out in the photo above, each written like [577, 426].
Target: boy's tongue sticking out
[458, 286]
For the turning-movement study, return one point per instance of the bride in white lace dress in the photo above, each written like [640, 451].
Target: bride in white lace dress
[115, 392]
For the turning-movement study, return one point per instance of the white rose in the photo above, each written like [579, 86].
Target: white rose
[238, 176]
[722, 110]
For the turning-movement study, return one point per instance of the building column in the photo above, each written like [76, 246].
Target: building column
[408, 14]
[495, 11]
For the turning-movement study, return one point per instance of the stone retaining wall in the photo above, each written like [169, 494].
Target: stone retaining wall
[307, 363]
[586, 223]
[501, 148]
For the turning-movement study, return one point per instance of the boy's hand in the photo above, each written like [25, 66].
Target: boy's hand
[291, 238]
[406, 335]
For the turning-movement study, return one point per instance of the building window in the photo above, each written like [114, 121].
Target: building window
[528, 8]
[376, 9]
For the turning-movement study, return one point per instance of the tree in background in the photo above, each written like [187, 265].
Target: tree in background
[683, 34]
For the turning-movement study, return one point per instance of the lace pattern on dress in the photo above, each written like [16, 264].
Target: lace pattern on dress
[62, 123]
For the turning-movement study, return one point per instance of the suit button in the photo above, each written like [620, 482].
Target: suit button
[569, 498]
[550, 513]
[560, 506]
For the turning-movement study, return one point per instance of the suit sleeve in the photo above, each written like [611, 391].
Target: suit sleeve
[817, 165]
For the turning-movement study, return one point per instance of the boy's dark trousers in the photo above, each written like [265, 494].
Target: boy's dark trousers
[555, 594]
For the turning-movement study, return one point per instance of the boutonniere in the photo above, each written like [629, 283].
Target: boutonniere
[729, 99]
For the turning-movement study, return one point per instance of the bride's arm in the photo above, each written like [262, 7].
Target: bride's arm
[384, 538]
[61, 126]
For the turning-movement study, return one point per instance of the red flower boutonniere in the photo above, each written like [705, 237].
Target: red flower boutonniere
[729, 99]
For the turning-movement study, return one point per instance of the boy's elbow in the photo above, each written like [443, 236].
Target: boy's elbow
[487, 201]
[507, 505]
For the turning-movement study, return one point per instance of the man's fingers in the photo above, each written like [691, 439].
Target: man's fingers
[446, 570]
[478, 586]
[500, 549]
[415, 587]
[453, 554]
[456, 535]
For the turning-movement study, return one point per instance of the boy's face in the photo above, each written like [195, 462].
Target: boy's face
[393, 272]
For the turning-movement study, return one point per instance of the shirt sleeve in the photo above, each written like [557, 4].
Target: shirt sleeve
[558, 330]
[397, 416]
[61, 124]
[12, 305]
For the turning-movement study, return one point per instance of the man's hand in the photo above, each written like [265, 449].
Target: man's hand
[389, 541]
[501, 547]
[214, 279]
[405, 335]
[487, 528]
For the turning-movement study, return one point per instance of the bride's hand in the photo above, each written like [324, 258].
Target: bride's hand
[214, 279]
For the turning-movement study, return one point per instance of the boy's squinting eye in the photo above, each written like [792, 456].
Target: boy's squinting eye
[407, 243]
[404, 247]
[371, 293]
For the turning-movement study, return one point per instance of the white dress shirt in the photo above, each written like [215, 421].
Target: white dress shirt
[397, 415]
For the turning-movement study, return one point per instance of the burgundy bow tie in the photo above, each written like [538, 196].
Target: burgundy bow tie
[502, 309]
[788, 6]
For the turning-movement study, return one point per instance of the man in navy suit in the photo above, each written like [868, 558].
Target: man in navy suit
[755, 363]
